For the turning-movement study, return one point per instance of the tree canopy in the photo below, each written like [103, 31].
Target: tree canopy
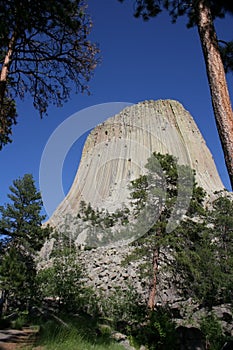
[24, 236]
[44, 52]
[151, 8]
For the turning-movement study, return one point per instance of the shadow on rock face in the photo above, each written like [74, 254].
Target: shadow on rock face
[190, 338]
[228, 346]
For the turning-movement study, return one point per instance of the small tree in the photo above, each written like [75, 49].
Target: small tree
[24, 237]
[63, 280]
[163, 175]
[204, 258]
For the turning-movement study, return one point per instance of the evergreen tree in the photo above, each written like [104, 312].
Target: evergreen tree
[44, 51]
[163, 176]
[200, 251]
[24, 236]
[204, 258]
[202, 14]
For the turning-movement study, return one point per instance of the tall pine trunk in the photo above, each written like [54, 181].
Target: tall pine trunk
[6, 68]
[7, 109]
[153, 286]
[217, 82]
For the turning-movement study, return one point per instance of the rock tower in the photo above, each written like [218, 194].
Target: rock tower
[117, 150]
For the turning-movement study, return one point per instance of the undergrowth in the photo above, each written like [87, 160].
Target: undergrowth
[81, 334]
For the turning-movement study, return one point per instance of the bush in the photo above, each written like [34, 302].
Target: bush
[122, 308]
[211, 328]
[157, 333]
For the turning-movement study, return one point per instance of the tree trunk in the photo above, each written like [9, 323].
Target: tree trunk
[153, 287]
[6, 68]
[7, 109]
[3, 302]
[217, 82]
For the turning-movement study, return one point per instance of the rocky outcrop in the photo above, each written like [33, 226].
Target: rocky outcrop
[105, 271]
[117, 150]
[106, 274]
[116, 153]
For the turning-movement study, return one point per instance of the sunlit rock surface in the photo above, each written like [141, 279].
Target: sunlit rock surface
[117, 150]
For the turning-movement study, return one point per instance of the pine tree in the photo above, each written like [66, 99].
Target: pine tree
[44, 52]
[161, 192]
[205, 259]
[200, 251]
[23, 238]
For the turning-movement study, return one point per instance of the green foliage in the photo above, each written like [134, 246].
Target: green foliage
[8, 116]
[21, 219]
[196, 207]
[212, 331]
[196, 263]
[100, 222]
[205, 257]
[48, 52]
[151, 8]
[63, 280]
[157, 333]
[166, 179]
[20, 322]
[138, 193]
[24, 236]
[105, 330]
[18, 278]
[160, 188]
[201, 243]
[221, 217]
[121, 308]
[101, 217]
[79, 335]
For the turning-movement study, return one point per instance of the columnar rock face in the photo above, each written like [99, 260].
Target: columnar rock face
[117, 150]
[115, 153]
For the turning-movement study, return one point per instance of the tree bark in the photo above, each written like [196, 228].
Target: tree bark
[217, 82]
[153, 287]
[6, 68]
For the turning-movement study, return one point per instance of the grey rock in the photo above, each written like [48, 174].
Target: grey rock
[118, 336]
[126, 345]
[148, 124]
[224, 312]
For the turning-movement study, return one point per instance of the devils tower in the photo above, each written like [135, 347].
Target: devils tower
[117, 150]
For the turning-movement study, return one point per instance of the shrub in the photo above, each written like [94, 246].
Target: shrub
[211, 328]
[157, 333]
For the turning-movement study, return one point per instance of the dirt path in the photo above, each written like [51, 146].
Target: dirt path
[11, 339]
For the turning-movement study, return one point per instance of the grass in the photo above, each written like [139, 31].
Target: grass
[80, 335]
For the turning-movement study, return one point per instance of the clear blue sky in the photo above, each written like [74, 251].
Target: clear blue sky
[140, 61]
